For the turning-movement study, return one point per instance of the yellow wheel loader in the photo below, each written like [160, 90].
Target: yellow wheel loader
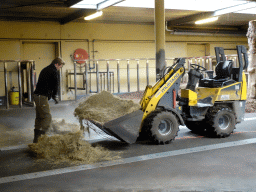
[214, 104]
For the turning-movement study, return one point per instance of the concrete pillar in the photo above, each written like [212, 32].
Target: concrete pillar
[251, 35]
[160, 37]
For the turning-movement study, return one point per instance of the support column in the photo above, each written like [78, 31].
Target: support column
[251, 35]
[160, 37]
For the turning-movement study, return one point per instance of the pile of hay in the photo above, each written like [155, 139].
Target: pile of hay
[103, 107]
[65, 143]
[70, 148]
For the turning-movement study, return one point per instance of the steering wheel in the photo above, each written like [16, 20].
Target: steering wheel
[199, 68]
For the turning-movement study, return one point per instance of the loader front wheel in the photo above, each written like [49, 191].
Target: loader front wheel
[162, 127]
[222, 123]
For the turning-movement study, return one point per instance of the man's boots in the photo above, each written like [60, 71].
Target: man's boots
[37, 134]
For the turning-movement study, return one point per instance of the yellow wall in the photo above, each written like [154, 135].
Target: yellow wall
[108, 41]
[9, 50]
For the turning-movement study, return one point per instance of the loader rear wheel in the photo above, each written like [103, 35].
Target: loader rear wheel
[162, 127]
[222, 123]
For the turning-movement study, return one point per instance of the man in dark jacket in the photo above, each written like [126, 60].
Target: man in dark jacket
[46, 88]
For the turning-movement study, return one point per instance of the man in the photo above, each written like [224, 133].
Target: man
[46, 88]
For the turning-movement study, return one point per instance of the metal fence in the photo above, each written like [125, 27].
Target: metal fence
[117, 75]
[25, 81]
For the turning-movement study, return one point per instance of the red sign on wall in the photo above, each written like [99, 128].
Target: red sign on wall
[80, 55]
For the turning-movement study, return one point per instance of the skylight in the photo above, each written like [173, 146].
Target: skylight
[193, 5]
[196, 5]
[95, 4]
[88, 4]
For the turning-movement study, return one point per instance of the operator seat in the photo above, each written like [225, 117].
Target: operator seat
[223, 76]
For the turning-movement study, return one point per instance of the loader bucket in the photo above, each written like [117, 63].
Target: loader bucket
[125, 128]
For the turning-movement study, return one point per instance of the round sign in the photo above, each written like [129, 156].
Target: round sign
[80, 55]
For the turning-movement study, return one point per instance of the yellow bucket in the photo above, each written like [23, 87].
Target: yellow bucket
[14, 98]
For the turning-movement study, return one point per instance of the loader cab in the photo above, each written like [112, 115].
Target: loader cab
[226, 74]
[227, 84]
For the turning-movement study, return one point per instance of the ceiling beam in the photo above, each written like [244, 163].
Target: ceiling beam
[76, 15]
[69, 3]
[24, 18]
[190, 18]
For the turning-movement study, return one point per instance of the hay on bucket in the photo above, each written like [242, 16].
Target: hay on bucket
[103, 107]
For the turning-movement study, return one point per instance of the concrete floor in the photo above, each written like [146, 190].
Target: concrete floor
[190, 163]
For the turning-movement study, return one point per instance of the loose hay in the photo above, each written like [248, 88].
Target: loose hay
[103, 107]
[60, 126]
[70, 148]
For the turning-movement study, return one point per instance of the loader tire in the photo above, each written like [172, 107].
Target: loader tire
[162, 127]
[222, 122]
